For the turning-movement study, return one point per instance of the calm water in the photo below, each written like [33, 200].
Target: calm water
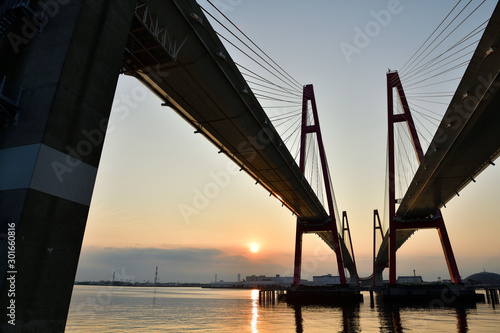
[131, 309]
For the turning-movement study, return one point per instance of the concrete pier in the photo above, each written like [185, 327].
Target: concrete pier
[68, 67]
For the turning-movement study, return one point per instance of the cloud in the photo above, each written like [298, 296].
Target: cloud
[179, 264]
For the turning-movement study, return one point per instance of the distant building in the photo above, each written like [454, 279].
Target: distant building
[326, 279]
[255, 278]
[483, 278]
[410, 279]
[275, 279]
[283, 279]
[222, 284]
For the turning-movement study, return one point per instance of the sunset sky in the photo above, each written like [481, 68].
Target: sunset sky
[152, 163]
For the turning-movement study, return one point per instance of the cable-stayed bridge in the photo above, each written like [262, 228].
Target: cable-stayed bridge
[171, 47]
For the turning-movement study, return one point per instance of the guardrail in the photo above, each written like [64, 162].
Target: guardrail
[152, 23]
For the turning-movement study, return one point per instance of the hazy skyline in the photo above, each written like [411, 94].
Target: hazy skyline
[153, 165]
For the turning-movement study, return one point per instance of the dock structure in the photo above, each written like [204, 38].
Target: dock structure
[271, 296]
[331, 295]
[427, 295]
[433, 294]
[492, 295]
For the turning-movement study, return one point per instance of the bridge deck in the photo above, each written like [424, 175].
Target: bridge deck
[201, 82]
[195, 76]
[467, 139]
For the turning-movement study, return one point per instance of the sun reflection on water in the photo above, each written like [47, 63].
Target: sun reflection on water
[255, 310]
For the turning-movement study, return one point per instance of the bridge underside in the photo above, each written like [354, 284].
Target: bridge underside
[197, 78]
[467, 139]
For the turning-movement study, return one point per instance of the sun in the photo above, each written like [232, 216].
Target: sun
[254, 247]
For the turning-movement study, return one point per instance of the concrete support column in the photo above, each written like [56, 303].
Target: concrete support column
[69, 69]
[378, 279]
[298, 254]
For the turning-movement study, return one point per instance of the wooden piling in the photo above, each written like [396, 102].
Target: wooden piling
[270, 296]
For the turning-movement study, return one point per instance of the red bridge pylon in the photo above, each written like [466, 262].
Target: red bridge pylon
[331, 224]
[398, 223]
